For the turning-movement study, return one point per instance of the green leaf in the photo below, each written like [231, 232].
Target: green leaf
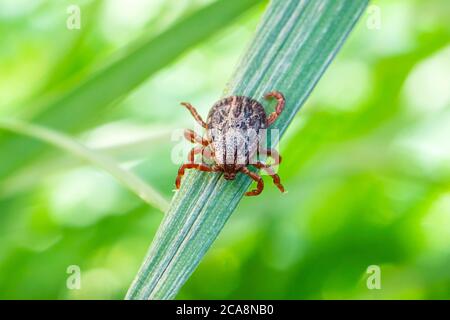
[293, 45]
[76, 109]
[127, 178]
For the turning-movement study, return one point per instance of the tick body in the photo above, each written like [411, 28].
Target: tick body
[233, 130]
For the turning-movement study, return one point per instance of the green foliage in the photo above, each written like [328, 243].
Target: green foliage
[77, 108]
[365, 160]
[131, 181]
[293, 45]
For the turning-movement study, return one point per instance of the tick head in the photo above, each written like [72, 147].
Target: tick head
[229, 171]
[229, 176]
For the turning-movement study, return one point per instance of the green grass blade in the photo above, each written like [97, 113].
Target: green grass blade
[127, 178]
[121, 152]
[294, 44]
[77, 108]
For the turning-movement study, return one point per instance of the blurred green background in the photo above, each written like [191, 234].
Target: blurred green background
[366, 160]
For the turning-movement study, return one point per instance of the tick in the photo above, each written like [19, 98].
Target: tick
[232, 140]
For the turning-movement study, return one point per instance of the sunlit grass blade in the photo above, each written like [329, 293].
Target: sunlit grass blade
[127, 178]
[123, 151]
[294, 44]
[76, 109]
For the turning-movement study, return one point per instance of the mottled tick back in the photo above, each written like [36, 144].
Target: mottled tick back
[233, 130]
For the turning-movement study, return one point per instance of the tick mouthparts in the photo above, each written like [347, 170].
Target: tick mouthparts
[229, 176]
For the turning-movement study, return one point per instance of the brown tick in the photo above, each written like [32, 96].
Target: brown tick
[232, 139]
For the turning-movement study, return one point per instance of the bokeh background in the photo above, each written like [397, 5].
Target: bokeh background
[366, 160]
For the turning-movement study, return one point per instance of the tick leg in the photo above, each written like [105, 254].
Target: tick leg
[195, 114]
[185, 166]
[273, 154]
[255, 177]
[193, 152]
[269, 170]
[194, 137]
[278, 109]
[206, 153]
